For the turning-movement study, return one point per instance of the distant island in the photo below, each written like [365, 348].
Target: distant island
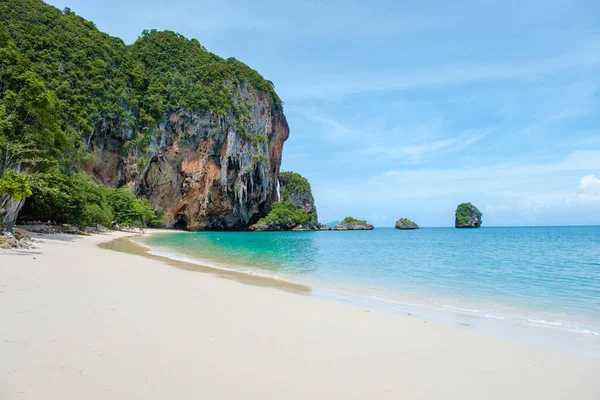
[467, 216]
[406, 224]
[353, 224]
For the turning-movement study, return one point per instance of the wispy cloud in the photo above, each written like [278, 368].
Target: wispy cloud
[447, 75]
[415, 154]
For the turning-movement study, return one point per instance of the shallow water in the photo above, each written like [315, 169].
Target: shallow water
[546, 276]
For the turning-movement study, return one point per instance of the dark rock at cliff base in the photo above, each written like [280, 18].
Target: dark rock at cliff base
[270, 226]
[267, 226]
[406, 224]
[467, 216]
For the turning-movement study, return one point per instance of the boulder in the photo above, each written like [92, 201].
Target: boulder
[323, 227]
[406, 224]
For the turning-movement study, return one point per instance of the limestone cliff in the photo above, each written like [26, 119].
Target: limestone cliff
[202, 170]
[198, 135]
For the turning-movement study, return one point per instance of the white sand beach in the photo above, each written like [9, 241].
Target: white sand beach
[81, 322]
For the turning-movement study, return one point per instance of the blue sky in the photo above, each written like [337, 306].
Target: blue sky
[407, 108]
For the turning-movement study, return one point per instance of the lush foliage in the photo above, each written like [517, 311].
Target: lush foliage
[286, 212]
[131, 211]
[76, 199]
[30, 137]
[14, 185]
[171, 71]
[353, 221]
[294, 183]
[464, 212]
[99, 80]
[67, 199]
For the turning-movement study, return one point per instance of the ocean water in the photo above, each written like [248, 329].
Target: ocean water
[539, 276]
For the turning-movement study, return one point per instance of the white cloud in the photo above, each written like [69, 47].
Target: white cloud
[589, 184]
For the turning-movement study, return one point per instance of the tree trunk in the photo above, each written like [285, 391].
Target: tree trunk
[11, 211]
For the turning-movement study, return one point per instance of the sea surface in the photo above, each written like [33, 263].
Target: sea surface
[544, 277]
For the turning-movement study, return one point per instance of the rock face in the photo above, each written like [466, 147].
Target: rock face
[203, 171]
[406, 224]
[467, 216]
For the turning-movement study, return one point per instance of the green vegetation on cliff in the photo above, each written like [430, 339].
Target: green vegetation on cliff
[353, 221]
[295, 184]
[284, 213]
[170, 71]
[62, 81]
[97, 78]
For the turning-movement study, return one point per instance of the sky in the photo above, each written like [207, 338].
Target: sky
[408, 108]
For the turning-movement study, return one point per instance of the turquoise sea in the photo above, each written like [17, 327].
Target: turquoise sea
[534, 276]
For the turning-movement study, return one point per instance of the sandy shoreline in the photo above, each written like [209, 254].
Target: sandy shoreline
[81, 322]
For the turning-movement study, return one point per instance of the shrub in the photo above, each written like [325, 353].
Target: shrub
[78, 200]
[351, 220]
[285, 212]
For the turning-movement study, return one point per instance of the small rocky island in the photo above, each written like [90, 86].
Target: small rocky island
[406, 224]
[467, 216]
[353, 224]
[296, 210]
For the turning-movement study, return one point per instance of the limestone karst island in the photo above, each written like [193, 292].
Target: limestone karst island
[284, 200]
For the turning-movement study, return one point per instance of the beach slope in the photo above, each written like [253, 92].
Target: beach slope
[81, 322]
